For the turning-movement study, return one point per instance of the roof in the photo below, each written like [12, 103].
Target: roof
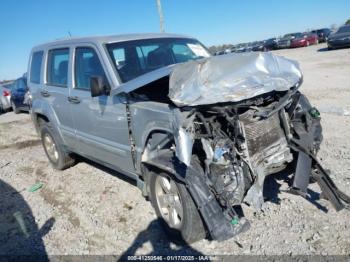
[109, 39]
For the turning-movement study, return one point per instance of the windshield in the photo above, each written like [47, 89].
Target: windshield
[137, 57]
[344, 29]
[296, 35]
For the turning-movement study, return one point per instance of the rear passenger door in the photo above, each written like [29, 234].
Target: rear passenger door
[55, 91]
[100, 122]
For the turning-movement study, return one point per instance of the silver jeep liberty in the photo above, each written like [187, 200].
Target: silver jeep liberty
[198, 133]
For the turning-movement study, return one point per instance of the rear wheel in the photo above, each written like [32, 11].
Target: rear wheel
[54, 150]
[14, 108]
[175, 208]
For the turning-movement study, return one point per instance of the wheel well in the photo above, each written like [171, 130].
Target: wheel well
[39, 120]
[157, 139]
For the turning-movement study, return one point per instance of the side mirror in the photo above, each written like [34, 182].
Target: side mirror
[99, 86]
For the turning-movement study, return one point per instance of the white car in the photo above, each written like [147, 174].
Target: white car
[5, 96]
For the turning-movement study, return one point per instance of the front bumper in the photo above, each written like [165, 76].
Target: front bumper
[283, 45]
[339, 43]
[298, 44]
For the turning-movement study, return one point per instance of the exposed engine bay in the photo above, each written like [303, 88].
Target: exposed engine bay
[238, 143]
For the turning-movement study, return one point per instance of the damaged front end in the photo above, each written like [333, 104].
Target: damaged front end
[258, 126]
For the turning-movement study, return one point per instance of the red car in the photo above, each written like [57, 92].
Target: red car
[306, 40]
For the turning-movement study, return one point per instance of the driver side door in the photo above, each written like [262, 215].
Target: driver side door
[100, 122]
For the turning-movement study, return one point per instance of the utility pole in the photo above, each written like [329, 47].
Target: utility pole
[161, 19]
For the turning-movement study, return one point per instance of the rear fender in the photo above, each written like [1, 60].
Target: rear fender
[40, 107]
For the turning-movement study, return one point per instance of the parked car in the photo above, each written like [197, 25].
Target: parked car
[197, 133]
[19, 91]
[286, 40]
[220, 52]
[305, 39]
[341, 38]
[322, 34]
[240, 48]
[258, 46]
[5, 97]
[270, 44]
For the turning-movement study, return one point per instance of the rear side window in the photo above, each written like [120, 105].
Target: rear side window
[87, 64]
[35, 67]
[57, 67]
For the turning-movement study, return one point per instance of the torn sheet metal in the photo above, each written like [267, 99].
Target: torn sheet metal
[231, 78]
[183, 134]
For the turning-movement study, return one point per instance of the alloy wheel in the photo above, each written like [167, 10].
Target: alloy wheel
[51, 148]
[169, 201]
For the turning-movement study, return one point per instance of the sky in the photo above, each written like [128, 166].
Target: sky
[26, 23]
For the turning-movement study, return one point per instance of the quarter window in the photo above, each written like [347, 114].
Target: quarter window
[35, 67]
[57, 67]
[87, 64]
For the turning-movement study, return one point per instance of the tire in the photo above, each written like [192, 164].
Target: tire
[56, 154]
[191, 228]
[14, 108]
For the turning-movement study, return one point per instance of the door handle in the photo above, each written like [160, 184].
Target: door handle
[74, 99]
[44, 93]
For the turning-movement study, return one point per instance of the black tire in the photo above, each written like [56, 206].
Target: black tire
[192, 228]
[64, 160]
[14, 108]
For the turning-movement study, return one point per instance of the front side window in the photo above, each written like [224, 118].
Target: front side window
[87, 64]
[134, 58]
[57, 67]
[35, 67]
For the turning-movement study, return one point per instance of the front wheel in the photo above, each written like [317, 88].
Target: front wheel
[175, 208]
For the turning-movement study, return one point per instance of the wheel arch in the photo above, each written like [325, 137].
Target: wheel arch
[151, 142]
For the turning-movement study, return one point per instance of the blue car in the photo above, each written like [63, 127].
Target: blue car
[19, 95]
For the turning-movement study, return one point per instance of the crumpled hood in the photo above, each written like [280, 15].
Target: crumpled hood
[231, 78]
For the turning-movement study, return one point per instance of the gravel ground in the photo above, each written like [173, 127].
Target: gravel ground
[85, 210]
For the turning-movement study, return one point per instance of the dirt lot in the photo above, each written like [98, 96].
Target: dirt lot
[84, 210]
